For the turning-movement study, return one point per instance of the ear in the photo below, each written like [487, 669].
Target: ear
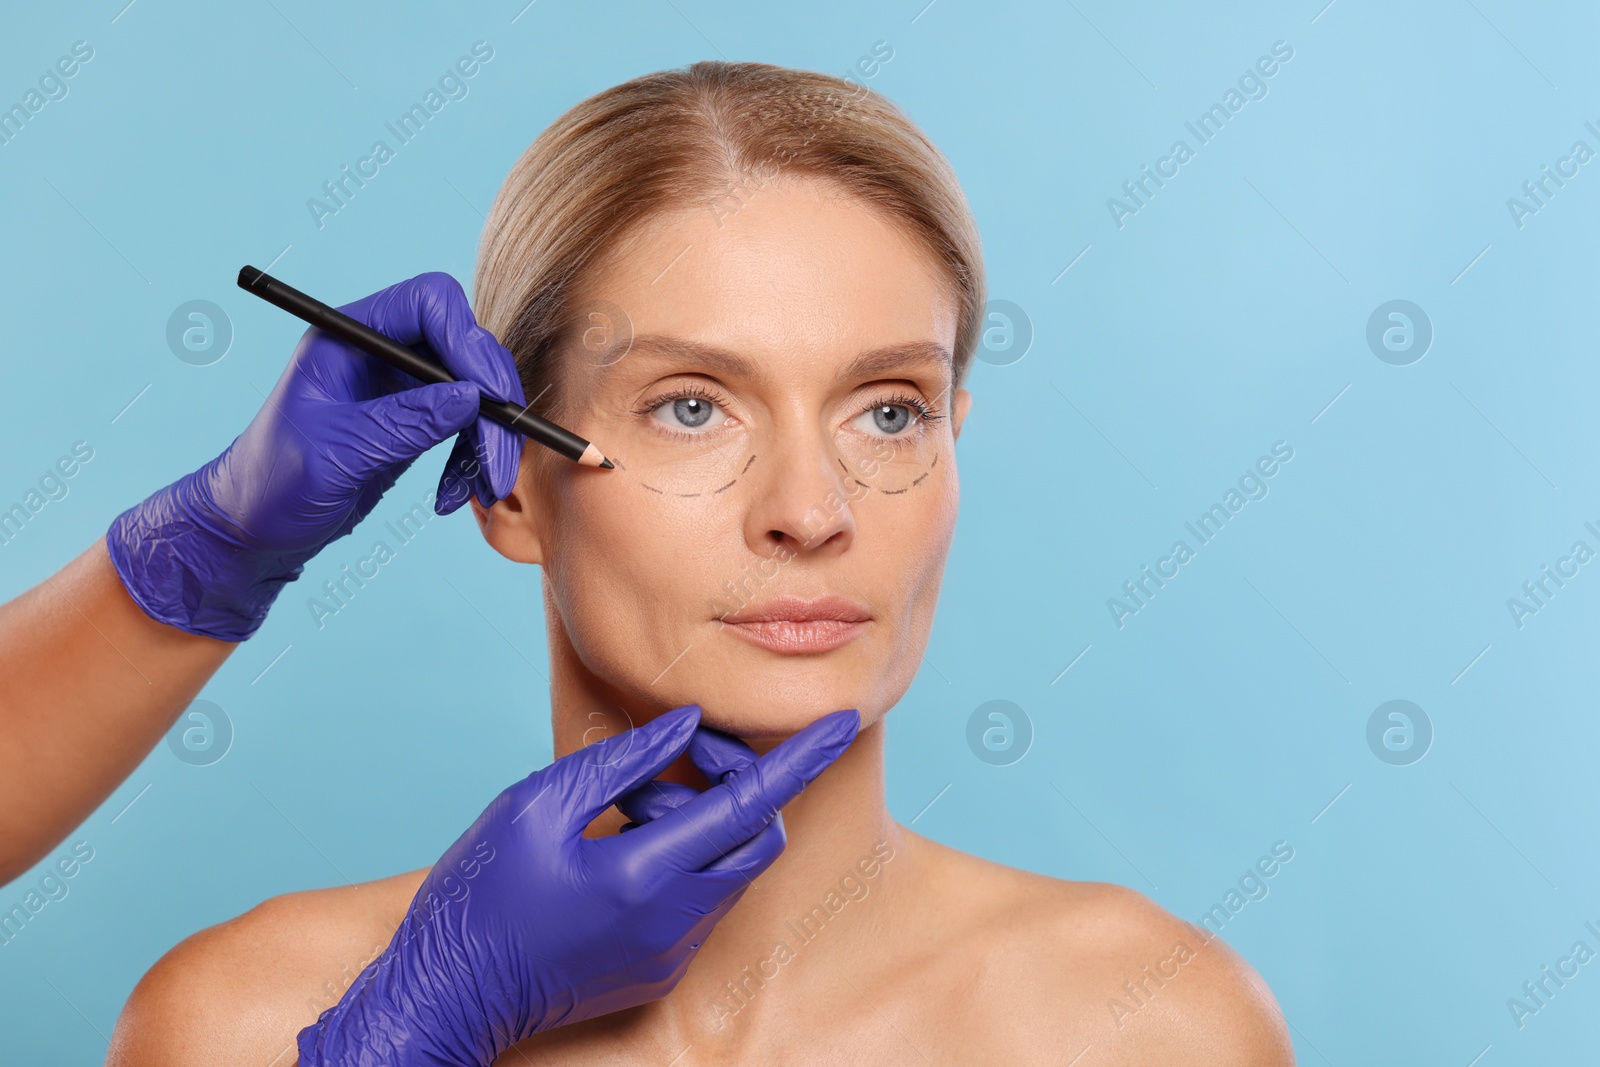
[512, 526]
[963, 405]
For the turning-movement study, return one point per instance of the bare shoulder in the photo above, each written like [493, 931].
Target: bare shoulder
[1105, 970]
[240, 991]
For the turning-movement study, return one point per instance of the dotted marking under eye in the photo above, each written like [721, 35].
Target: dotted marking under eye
[714, 492]
[916, 481]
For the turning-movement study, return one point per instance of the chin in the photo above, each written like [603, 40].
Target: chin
[773, 724]
[769, 702]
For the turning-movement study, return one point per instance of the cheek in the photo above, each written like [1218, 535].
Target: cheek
[941, 529]
[904, 544]
[910, 536]
[630, 576]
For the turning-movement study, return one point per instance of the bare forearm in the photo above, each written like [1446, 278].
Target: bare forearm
[88, 684]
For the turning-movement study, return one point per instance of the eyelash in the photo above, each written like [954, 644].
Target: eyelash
[925, 411]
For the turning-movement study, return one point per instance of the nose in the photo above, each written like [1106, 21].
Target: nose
[802, 499]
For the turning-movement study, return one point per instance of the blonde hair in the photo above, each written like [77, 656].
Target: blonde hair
[702, 135]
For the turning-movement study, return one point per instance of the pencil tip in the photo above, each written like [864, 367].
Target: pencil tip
[593, 457]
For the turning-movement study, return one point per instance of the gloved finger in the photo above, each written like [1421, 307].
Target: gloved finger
[730, 813]
[592, 778]
[718, 754]
[399, 427]
[432, 309]
[465, 474]
[716, 889]
[461, 478]
[503, 447]
[754, 856]
[484, 463]
[654, 799]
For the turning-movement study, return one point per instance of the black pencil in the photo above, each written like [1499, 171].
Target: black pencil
[392, 352]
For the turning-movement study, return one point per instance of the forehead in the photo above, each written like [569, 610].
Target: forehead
[797, 268]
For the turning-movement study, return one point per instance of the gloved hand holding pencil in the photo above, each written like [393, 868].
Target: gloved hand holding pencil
[210, 552]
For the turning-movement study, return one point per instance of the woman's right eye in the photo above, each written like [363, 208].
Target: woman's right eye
[689, 413]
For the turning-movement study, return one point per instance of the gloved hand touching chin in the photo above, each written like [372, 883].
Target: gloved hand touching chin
[210, 552]
[524, 924]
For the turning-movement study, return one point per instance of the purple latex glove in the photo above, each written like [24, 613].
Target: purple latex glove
[525, 925]
[719, 757]
[210, 552]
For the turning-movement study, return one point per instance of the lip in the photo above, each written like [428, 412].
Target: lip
[792, 625]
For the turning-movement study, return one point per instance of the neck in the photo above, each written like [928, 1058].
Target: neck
[807, 915]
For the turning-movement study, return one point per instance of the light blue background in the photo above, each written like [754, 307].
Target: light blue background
[1226, 315]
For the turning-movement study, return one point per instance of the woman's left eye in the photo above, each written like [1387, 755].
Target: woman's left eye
[887, 420]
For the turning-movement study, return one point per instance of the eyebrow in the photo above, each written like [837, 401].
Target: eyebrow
[869, 364]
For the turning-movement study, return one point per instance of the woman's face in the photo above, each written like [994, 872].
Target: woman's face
[774, 386]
